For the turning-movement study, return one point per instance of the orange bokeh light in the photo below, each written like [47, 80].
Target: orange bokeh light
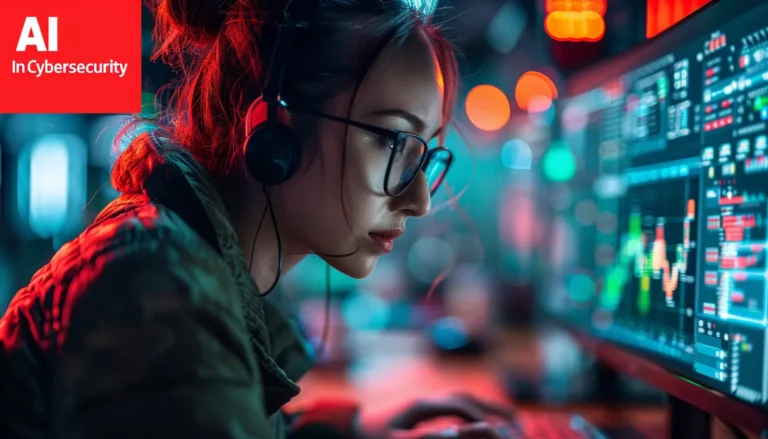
[487, 107]
[576, 6]
[535, 92]
[575, 20]
[575, 26]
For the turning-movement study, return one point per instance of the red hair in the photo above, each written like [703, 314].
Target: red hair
[220, 48]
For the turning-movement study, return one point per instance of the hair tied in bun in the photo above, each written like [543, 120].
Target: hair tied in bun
[200, 20]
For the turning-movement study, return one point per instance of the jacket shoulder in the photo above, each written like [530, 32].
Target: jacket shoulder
[132, 229]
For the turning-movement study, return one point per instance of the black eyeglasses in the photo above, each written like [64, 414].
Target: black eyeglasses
[410, 154]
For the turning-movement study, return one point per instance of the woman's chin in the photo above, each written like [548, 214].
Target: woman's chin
[356, 267]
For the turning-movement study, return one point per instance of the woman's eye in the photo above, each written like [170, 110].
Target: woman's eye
[385, 142]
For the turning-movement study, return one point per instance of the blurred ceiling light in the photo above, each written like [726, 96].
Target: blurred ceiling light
[575, 20]
[487, 108]
[506, 27]
[51, 186]
[535, 92]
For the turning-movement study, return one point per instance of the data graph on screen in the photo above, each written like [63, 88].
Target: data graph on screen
[655, 263]
[646, 257]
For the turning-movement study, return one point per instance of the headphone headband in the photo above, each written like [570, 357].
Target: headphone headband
[298, 15]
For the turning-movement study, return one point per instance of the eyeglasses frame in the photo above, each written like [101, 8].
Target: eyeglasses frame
[395, 136]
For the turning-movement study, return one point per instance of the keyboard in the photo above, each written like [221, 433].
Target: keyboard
[542, 425]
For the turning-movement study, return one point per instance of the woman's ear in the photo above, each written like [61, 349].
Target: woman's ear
[257, 114]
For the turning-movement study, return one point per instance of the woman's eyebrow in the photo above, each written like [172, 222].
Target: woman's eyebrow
[416, 122]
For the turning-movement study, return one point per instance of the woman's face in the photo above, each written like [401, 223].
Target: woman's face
[336, 204]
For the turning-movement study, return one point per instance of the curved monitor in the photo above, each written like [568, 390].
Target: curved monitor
[676, 265]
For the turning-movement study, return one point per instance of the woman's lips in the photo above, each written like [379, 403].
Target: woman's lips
[385, 239]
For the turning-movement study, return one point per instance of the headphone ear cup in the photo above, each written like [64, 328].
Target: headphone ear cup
[272, 153]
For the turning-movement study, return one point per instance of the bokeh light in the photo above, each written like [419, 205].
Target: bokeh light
[609, 187]
[575, 20]
[428, 257]
[598, 6]
[607, 222]
[519, 225]
[604, 255]
[516, 154]
[574, 118]
[449, 333]
[488, 108]
[48, 187]
[585, 212]
[51, 185]
[543, 118]
[365, 311]
[559, 163]
[535, 92]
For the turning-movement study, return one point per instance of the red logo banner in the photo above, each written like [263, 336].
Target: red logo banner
[70, 56]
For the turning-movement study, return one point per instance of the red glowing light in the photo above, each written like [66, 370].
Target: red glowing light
[663, 14]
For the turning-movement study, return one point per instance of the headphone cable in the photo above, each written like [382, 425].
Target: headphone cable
[268, 195]
[320, 351]
[326, 320]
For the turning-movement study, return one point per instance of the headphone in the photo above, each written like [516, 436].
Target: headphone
[272, 148]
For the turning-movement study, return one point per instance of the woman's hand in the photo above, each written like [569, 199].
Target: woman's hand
[400, 423]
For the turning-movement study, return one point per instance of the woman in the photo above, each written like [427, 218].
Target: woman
[151, 323]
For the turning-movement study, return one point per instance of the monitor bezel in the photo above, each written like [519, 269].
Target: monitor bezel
[631, 361]
[626, 358]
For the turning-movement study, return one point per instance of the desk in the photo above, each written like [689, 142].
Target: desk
[400, 369]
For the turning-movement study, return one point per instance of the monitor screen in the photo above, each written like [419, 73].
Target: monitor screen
[668, 255]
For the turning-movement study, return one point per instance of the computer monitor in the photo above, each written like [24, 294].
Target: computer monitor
[674, 220]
